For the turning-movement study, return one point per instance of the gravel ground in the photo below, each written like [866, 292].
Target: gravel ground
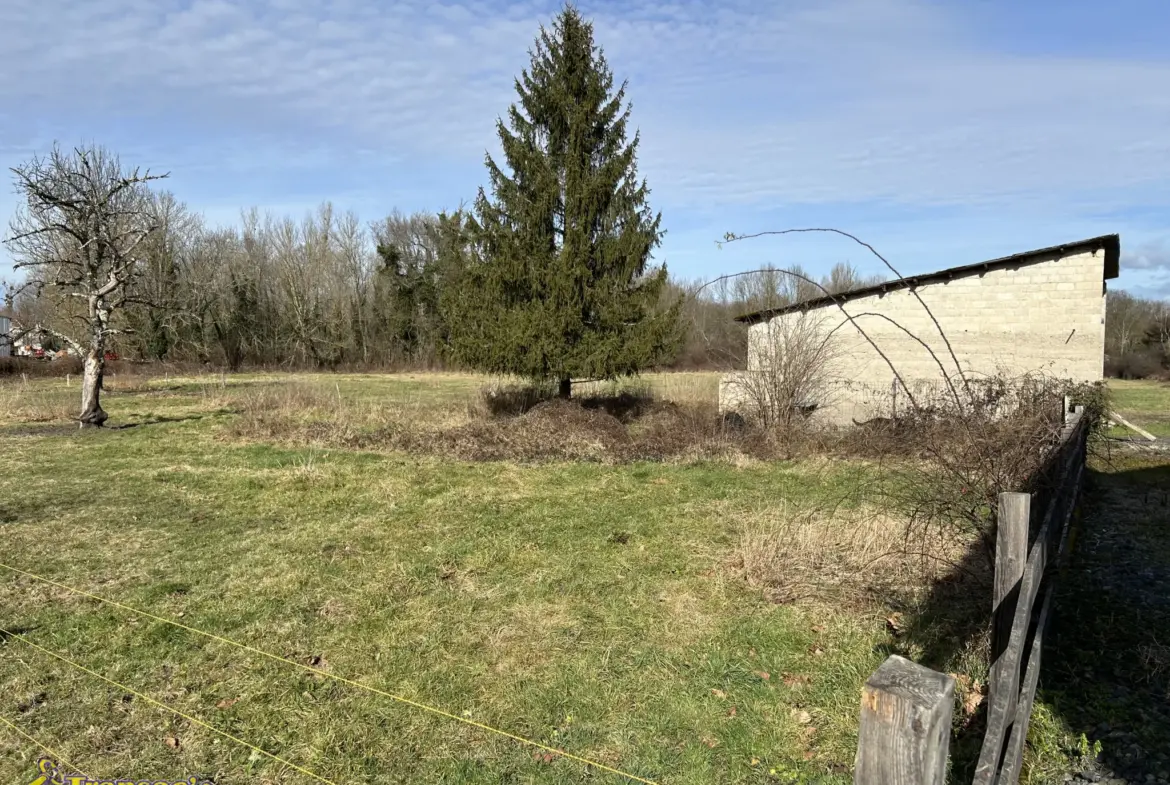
[1107, 659]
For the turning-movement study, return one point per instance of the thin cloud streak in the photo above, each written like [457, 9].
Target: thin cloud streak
[744, 108]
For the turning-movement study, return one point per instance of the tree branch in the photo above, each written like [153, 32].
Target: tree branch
[840, 305]
[40, 328]
[732, 237]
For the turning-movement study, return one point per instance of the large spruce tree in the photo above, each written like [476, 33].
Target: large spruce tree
[558, 284]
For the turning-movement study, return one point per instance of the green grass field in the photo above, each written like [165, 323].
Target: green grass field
[607, 609]
[1144, 403]
[592, 608]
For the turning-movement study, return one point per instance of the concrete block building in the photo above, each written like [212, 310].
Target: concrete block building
[1041, 311]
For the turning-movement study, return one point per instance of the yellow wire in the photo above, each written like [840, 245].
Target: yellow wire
[56, 756]
[342, 679]
[151, 700]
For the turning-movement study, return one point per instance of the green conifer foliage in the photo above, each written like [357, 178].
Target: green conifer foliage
[556, 282]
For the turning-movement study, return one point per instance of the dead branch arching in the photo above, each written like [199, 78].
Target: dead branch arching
[731, 237]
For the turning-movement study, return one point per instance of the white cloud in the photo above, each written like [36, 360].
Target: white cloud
[852, 99]
[742, 105]
[1152, 255]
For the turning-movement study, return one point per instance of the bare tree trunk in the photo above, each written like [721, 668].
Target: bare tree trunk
[92, 413]
[565, 389]
[83, 231]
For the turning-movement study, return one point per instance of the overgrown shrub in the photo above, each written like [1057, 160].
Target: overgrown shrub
[67, 365]
[997, 439]
[1146, 363]
[512, 399]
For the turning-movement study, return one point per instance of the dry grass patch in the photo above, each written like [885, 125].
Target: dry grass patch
[795, 554]
[504, 421]
[37, 402]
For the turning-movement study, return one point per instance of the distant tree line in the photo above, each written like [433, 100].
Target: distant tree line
[549, 274]
[329, 291]
[1137, 336]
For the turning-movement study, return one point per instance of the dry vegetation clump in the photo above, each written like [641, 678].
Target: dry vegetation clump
[584, 430]
[552, 430]
[503, 399]
[958, 458]
[26, 403]
[928, 547]
[961, 457]
[843, 554]
[506, 422]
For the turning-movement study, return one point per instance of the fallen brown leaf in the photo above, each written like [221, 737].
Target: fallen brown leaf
[971, 693]
[731, 712]
[792, 679]
[719, 693]
[972, 702]
[762, 674]
[172, 742]
[227, 703]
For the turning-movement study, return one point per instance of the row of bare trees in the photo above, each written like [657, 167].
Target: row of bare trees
[108, 262]
[103, 255]
[1137, 336]
[716, 340]
[325, 290]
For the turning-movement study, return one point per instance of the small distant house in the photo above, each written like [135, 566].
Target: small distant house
[1041, 311]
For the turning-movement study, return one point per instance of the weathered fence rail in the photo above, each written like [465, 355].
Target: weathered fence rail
[906, 708]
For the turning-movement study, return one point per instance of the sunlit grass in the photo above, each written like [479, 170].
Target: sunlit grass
[596, 608]
[1145, 403]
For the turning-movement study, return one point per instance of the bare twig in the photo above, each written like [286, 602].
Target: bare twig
[732, 237]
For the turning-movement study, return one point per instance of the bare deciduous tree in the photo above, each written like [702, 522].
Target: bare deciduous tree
[789, 369]
[80, 233]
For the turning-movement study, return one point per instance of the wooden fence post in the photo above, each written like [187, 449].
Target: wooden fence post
[1011, 553]
[905, 732]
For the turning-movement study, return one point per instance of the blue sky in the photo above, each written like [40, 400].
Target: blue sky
[942, 132]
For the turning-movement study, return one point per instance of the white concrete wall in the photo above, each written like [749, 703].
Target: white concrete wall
[1044, 316]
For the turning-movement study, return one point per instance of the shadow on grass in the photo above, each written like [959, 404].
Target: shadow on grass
[948, 631]
[1105, 668]
[155, 421]
[12, 632]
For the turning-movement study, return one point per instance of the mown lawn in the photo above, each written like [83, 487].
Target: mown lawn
[589, 607]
